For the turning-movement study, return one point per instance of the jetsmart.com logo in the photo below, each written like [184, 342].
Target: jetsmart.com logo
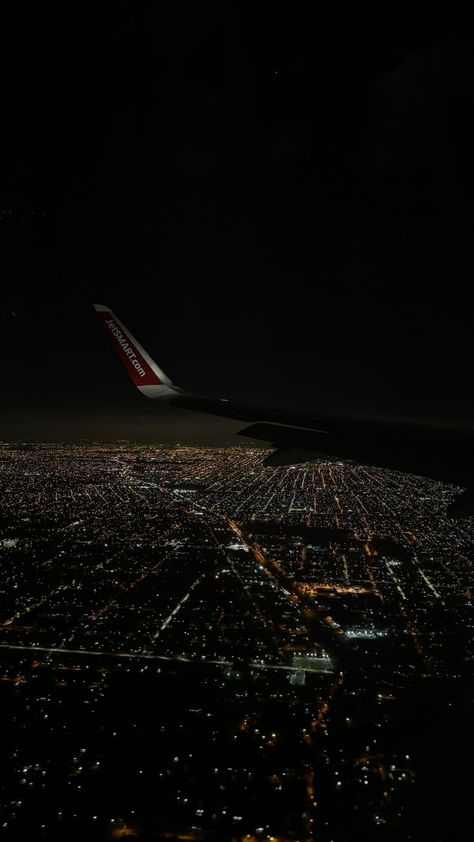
[126, 348]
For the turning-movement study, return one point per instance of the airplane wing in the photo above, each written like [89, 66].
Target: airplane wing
[442, 454]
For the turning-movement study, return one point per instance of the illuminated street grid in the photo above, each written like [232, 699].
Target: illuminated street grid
[206, 647]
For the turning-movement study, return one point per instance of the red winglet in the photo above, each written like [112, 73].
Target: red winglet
[143, 371]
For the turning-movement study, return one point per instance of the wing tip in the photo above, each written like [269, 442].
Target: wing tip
[144, 372]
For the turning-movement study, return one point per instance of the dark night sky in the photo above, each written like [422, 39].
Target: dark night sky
[278, 204]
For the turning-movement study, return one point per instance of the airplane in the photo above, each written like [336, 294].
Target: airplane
[442, 454]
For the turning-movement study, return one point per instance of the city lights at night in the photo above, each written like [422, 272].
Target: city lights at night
[183, 627]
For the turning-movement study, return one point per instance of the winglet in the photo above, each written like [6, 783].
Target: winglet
[145, 374]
